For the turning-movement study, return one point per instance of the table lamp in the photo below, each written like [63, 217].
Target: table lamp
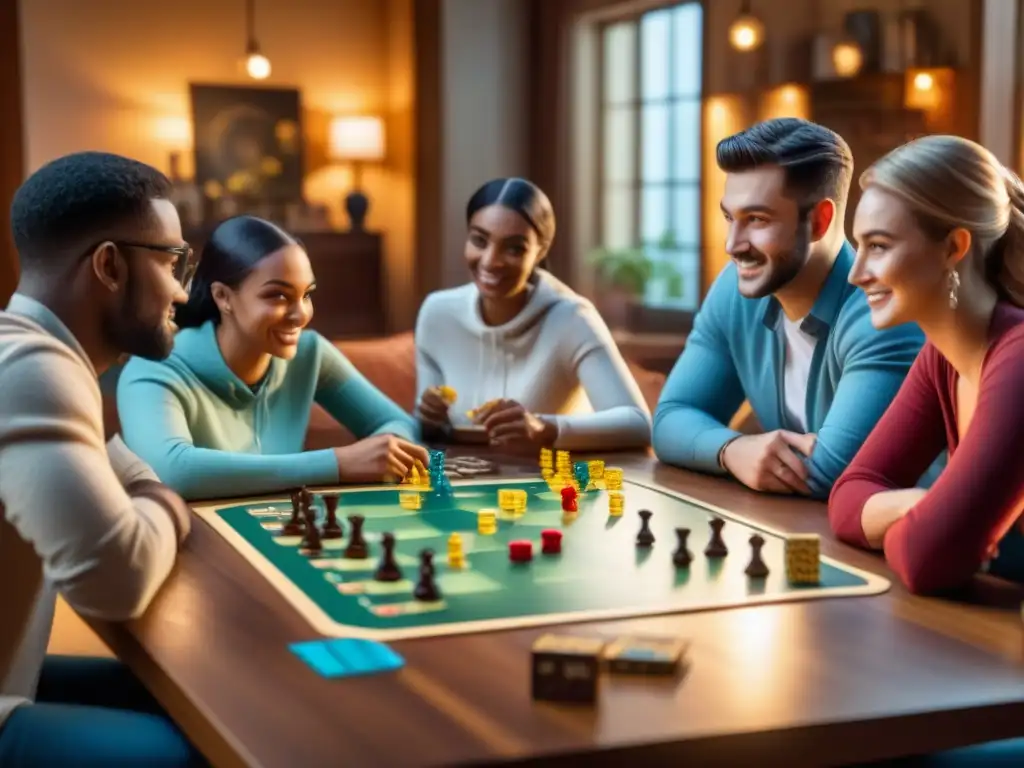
[357, 140]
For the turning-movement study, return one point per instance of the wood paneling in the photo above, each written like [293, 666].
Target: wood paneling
[824, 682]
[427, 58]
[12, 166]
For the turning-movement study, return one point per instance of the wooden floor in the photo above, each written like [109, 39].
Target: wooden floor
[72, 637]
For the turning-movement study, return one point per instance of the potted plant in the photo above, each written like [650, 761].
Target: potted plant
[623, 276]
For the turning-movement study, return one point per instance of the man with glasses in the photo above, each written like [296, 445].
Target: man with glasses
[103, 264]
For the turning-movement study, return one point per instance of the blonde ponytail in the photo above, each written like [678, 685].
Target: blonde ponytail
[1004, 264]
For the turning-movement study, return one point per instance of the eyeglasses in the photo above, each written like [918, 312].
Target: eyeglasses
[184, 269]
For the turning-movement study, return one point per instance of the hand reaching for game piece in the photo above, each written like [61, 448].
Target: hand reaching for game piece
[381, 458]
[509, 425]
[433, 408]
[771, 462]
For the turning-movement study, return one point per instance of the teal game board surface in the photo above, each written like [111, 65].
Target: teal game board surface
[599, 574]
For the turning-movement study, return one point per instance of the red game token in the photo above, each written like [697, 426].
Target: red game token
[551, 541]
[520, 551]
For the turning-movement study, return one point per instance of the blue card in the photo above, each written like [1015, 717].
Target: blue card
[347, 657]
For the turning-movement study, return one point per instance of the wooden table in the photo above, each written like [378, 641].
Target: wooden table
[823, 682]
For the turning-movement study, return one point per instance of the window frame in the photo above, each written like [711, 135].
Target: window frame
[636, 105]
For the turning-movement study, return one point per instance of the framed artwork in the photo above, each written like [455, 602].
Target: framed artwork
[247, 143]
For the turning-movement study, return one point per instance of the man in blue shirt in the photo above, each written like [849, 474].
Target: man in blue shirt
[781, 326]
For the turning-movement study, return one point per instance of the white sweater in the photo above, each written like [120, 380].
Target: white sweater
[66, 524]
[556, 358]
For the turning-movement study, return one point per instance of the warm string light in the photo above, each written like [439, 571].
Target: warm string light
[256, 64]
[746, 31]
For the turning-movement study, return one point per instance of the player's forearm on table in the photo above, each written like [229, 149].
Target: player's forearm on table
[201, 473]
[405, 428]
[117, 579]
[687, 437]
[885, 508]
[623, 427]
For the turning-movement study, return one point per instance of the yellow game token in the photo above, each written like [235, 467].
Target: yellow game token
[448, 394]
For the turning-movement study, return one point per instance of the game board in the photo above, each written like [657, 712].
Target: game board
[600, 572]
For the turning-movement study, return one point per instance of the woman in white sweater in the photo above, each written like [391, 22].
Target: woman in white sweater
[531, 360]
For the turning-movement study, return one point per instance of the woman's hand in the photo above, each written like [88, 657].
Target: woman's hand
[433, 408]
[509, 425]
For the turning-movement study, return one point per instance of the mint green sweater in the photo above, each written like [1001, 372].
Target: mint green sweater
[208, 435]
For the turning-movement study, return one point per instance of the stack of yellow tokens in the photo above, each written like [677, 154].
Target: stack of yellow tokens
[613, 479]
[456, 557]
[512, 500]
[546, 463]
[487, 522]
[410, 499]
[595, 468]
[563, 463]
[616, 503]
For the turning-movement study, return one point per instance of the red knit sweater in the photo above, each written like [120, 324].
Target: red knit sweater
[943, 540]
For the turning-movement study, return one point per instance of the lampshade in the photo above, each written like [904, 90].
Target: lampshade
[357, 138]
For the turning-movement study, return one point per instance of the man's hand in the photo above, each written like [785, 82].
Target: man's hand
[772, 462]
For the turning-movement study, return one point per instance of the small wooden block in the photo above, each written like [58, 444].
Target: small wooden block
[645, 655]
[566, 668]
[803, 559]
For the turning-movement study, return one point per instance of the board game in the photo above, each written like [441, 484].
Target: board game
[534, 564]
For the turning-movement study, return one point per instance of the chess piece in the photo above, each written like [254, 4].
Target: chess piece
[332, 527]
[295, 524]
[716, 547]
[311, 544]
[645, 537]
[682, 557]
[426, 588]
[356, 549]
[388, 569]
[758, 568]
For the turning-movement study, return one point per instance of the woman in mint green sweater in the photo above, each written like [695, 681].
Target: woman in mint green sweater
[226, 414]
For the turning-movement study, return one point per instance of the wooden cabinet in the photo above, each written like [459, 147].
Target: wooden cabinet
[351, 298]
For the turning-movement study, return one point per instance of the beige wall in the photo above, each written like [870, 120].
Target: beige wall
[115, 78]
[483, 111]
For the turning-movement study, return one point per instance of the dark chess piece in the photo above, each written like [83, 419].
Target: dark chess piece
[716, 547]
[311, 544]
[296, 524]
[645, 537]
[388, 569]
[682, 557]
[758, 568]
[356, 549]
[332, 527]
[426, 588]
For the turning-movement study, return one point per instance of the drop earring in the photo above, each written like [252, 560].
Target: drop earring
[954, 288]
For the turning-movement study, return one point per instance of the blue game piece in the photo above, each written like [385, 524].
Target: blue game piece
[347, 657]
[581, 471]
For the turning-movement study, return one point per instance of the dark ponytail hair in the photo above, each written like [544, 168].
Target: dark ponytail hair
[523, 197]
[235, 246]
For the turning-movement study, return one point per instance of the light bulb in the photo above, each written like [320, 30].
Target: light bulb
[923, 81]
[847, 58]
[258, 66]
[746, 32]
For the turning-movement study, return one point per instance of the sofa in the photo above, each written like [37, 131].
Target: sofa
[390, 365]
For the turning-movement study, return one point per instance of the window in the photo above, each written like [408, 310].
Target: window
[651, 146]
